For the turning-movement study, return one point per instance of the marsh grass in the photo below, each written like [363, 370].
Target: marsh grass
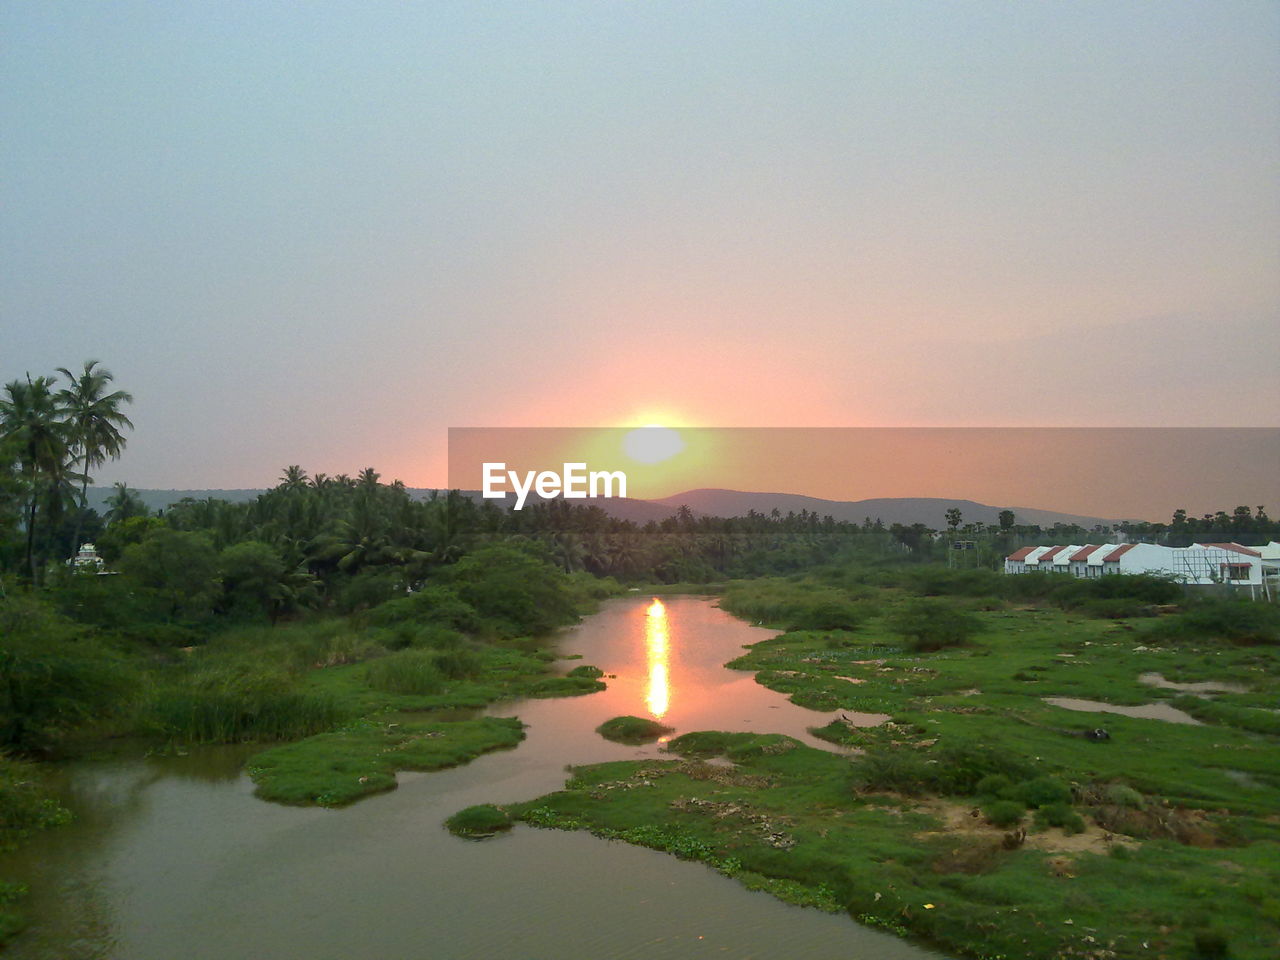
[407, 671]
[231, 706]
[333, 769]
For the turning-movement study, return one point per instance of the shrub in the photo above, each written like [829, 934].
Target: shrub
[942, 581]
[478, 822]
[1060, 815]
[408, 671]
[962, 765]
[1122, 796]
[827, 615]
[434, 605]
[515, 591]
[1238, 620]
[1043, 791]
[932, 624]
[995, 785]
[1003, 813]
[1115, 608]
[588, 671]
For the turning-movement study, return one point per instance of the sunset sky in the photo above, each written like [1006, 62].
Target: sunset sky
[325, 233]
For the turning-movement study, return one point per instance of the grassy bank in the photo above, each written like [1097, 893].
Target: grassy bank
[981, 817]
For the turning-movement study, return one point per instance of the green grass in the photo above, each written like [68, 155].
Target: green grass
[632, 730]
[332, 769]
[789, 820]
[478, 822]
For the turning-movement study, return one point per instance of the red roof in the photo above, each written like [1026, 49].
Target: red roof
[1082, 554]
[1020, 554]
[1118, 552]
[1235, 547]
[1049, 554]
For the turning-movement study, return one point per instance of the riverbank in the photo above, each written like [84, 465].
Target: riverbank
[981, 817]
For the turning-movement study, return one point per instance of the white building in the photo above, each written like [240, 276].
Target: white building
[1201, 563]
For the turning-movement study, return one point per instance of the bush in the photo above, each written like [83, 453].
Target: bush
[1115, 608]
[1237, 620]
[827, 615]
[1003, 813]
[1060, 815]
[408, 671]
[435, 606]
[933, 624]
[53, 678]
[478, 822]
[1042, 791]
[514, 591]
[994, 785]
[588, 671]
[1122, 796]
[942, 581]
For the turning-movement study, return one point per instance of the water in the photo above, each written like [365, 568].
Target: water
[1152, 679]
[1146, 711]
[175, 857]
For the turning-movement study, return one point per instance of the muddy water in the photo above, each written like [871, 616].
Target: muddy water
[176, 858]
[1146, 711]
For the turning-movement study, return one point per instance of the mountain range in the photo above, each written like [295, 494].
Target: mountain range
[719, 503]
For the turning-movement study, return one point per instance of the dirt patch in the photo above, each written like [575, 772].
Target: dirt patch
[965, 821]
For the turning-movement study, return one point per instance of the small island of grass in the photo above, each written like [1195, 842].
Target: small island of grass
[479, 822]
[632, 730]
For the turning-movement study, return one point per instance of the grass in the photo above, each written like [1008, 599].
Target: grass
[337, 768]
[479, 822]
[632, 730]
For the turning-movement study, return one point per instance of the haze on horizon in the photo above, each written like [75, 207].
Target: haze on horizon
[325, 235]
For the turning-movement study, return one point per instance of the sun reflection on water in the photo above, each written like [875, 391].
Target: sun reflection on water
[658, 696]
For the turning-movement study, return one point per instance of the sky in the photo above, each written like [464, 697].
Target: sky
[325, 233]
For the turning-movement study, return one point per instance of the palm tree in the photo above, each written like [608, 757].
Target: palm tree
[123, 504]
[295, 478]
[94, 422]
[29, 417]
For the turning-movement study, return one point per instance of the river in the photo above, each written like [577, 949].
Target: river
[175, 858]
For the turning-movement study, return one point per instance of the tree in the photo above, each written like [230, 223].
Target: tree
[953, 518]
[29, 418]
[1006, 520]
[180, 568]
[933, 624]
[124, 504]
[94, 422]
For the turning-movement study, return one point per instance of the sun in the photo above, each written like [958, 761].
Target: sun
[652, 443]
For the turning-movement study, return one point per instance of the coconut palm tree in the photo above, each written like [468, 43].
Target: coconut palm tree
[94, 421]
[29, 419]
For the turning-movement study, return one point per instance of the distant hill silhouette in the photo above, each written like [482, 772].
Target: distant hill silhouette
[930, 511]
[716, 503]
